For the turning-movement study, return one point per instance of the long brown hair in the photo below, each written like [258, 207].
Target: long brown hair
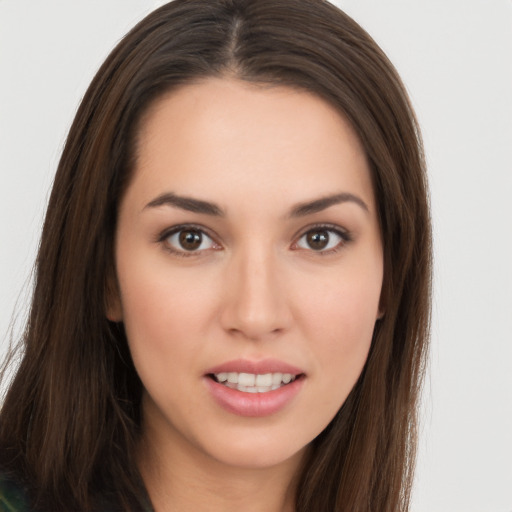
[70, 421]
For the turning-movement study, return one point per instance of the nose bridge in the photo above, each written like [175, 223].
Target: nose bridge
[256, 305]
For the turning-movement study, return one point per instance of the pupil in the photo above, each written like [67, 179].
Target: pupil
[190, 240]
[318, 240]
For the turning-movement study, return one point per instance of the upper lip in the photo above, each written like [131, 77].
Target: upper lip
[258, 367]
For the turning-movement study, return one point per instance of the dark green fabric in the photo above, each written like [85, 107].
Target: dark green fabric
[13, 498]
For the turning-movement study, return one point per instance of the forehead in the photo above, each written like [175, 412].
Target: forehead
[222, 135]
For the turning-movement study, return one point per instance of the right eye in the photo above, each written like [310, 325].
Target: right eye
[188, 240]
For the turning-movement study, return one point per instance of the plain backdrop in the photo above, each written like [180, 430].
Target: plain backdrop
[455, 57]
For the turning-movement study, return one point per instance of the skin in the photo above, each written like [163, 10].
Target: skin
[254, 289]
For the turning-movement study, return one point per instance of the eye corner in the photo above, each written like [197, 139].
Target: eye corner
[197, 242]
[323, 239]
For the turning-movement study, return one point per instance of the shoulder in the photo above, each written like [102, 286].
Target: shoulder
[13, 495]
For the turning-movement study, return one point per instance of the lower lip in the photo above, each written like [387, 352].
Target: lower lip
[253, 404]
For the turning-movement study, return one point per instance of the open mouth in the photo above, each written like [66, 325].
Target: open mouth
[254, 383]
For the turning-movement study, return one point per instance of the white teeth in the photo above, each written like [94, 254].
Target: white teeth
[247, 389]
[277, 379]
[246, 379]
[264, 380]
[254, 383]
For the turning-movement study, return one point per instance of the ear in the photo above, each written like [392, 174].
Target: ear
[113, 306]
[114, 312]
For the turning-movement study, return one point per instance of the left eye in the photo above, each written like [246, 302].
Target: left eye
[320, 240]
[189, 240]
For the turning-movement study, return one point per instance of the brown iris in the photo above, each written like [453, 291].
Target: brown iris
[190, 240]
[317, 240]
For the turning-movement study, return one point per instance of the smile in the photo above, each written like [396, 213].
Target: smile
[253, 383]
[254, 388]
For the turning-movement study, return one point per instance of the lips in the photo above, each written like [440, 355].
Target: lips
[258, 367]
[254, 388]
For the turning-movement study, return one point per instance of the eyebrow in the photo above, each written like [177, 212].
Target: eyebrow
[318, 205]
[207, 208]
[186, 203]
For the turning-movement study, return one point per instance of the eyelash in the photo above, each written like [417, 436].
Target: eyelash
[344, 235]
[162, 239]
[345, 238]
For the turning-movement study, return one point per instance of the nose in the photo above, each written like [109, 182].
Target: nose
[255, 304]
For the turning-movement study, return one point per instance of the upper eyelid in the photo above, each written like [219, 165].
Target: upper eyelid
[162, 237]
[326, 226]
[166, 233]
[343, 233]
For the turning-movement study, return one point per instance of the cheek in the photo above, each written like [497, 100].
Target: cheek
[161, 310]
[340, 321]
[164, 332]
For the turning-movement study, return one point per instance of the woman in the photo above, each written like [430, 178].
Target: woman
[232, 296]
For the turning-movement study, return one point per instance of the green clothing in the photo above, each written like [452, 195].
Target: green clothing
[14, 498]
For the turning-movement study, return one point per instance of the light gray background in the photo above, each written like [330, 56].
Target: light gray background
[455, 57]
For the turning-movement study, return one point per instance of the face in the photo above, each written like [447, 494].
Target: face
[249, 267]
